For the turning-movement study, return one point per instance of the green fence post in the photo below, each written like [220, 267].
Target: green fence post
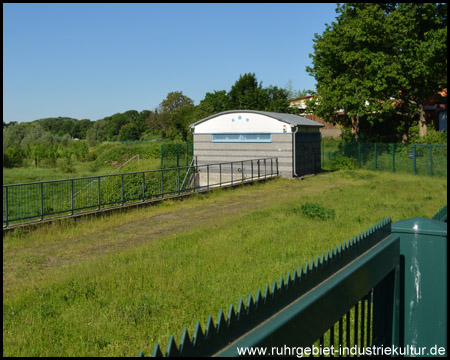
[414, 159]
[375, 149]
[194, 173]
[162, 183]
[143, 186]
[323, 154]
[423, 256]
[231, 173]
[431, 160]
[393, 157]
[122, 191]
[72, 197]
[98, 193]
[6, 199]
[161, 156]
[178, 155]
[42, 201]
[178, 181]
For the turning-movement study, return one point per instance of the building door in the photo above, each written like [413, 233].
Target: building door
[307, 153]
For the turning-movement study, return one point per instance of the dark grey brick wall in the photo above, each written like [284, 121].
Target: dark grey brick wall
[209, 152]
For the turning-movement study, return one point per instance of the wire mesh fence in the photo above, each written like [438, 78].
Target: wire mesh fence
[419, 159]
[43, 200]
[176, 154]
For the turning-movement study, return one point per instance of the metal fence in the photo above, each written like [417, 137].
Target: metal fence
[422, 159]
[43, 200]
[374, 295]
[176, 154]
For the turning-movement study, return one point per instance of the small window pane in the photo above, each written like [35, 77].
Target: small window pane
[242, 138]
[256, 137]
[226, 137]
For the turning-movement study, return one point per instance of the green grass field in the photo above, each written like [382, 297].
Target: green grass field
[105, 158]
[46, 172]
[29, 202]
[114, 285]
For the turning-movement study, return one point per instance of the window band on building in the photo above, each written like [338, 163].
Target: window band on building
[242, 138]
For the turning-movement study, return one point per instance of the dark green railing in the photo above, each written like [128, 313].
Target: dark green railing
[43, 200]
[360, 296]
[422, 159]
[441, 215]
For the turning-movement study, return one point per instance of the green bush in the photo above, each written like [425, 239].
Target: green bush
[13, 157]
[316, 211]
[433, 137]
[67, 166]
[341, 162]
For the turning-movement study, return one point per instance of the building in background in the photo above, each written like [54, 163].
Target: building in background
[329, 129]
[239, 135]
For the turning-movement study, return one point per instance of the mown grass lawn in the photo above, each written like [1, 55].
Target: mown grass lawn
[115, 285]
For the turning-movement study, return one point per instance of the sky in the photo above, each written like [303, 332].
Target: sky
[89, 61]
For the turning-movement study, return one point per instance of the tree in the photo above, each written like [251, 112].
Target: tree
[345, 56]
[377, 58]
[421, 53]
[36, 135]
[52, 153]
[91, 137]
[296, 94]
[214, 103]
[115, 123]
[277, 99]
[246, 93]
[81, 127]
[180, 121]
[97, 132]
[172, 118]
[129, 132]
[174, 101]
[36, 152]
[13, 136]
[13, 157]
[80, 149]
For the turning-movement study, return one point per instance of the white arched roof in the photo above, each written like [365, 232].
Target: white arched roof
[250, 121]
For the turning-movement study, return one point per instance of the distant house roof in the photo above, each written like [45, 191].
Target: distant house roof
[291, 119]
[303, 98]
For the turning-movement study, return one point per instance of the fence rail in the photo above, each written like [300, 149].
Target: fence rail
[422, 159]
[360, 295]
[43, 200]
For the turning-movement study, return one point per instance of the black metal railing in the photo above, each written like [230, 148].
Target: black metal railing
[43, 200]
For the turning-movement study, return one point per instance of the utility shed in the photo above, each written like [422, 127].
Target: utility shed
[238, 135]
